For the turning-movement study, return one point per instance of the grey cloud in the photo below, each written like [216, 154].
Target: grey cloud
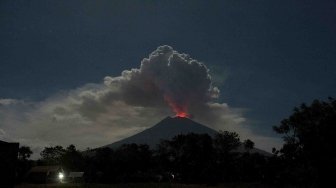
[166, 76]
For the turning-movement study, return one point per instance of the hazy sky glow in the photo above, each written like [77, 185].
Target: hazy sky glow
[58, 59]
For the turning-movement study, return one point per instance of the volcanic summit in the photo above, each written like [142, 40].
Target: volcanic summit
[164, 130]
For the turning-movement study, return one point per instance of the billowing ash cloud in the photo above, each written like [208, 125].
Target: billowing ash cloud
[166, 76]
[94, 115]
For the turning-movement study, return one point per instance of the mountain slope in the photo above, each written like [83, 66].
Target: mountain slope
[169, 127]
[164, 130]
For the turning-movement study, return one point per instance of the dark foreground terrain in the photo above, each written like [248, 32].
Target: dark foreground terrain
[148, 185]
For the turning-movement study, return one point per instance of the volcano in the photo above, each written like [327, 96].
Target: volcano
[169, 127]
[166, 129]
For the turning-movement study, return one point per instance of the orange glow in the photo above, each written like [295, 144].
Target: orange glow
[181, 110]
[182, 115]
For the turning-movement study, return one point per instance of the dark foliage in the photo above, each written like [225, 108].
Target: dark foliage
[188, 157]
[52, 155]
[24, 152]
[248, 144]
[23, 164]
[72, 159]
[308, 155]
[191, 158]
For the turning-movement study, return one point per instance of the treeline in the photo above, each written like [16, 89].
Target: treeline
[307, 158]
[191, 158]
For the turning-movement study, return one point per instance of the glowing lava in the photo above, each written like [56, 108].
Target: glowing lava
[181, 110]
[182, 115]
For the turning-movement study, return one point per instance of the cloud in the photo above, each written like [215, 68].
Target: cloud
[98, 114]
[166, 77]
[9, 102]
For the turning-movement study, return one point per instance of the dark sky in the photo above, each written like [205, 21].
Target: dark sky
[265, 56]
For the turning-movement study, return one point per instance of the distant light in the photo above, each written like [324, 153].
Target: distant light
[60, 176]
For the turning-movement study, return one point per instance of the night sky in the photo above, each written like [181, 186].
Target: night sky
[266, 57]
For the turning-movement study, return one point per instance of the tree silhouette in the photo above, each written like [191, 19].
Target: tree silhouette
[189, 157]
[52, 155]
[225, 143]
[24, 152]
[24, 164]
[248, 144]
[309, 141]
[133, 162]
[72, 159]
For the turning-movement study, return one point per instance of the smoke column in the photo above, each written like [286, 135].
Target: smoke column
[166, 77]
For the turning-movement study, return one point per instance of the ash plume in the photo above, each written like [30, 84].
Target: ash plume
[166, 77]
